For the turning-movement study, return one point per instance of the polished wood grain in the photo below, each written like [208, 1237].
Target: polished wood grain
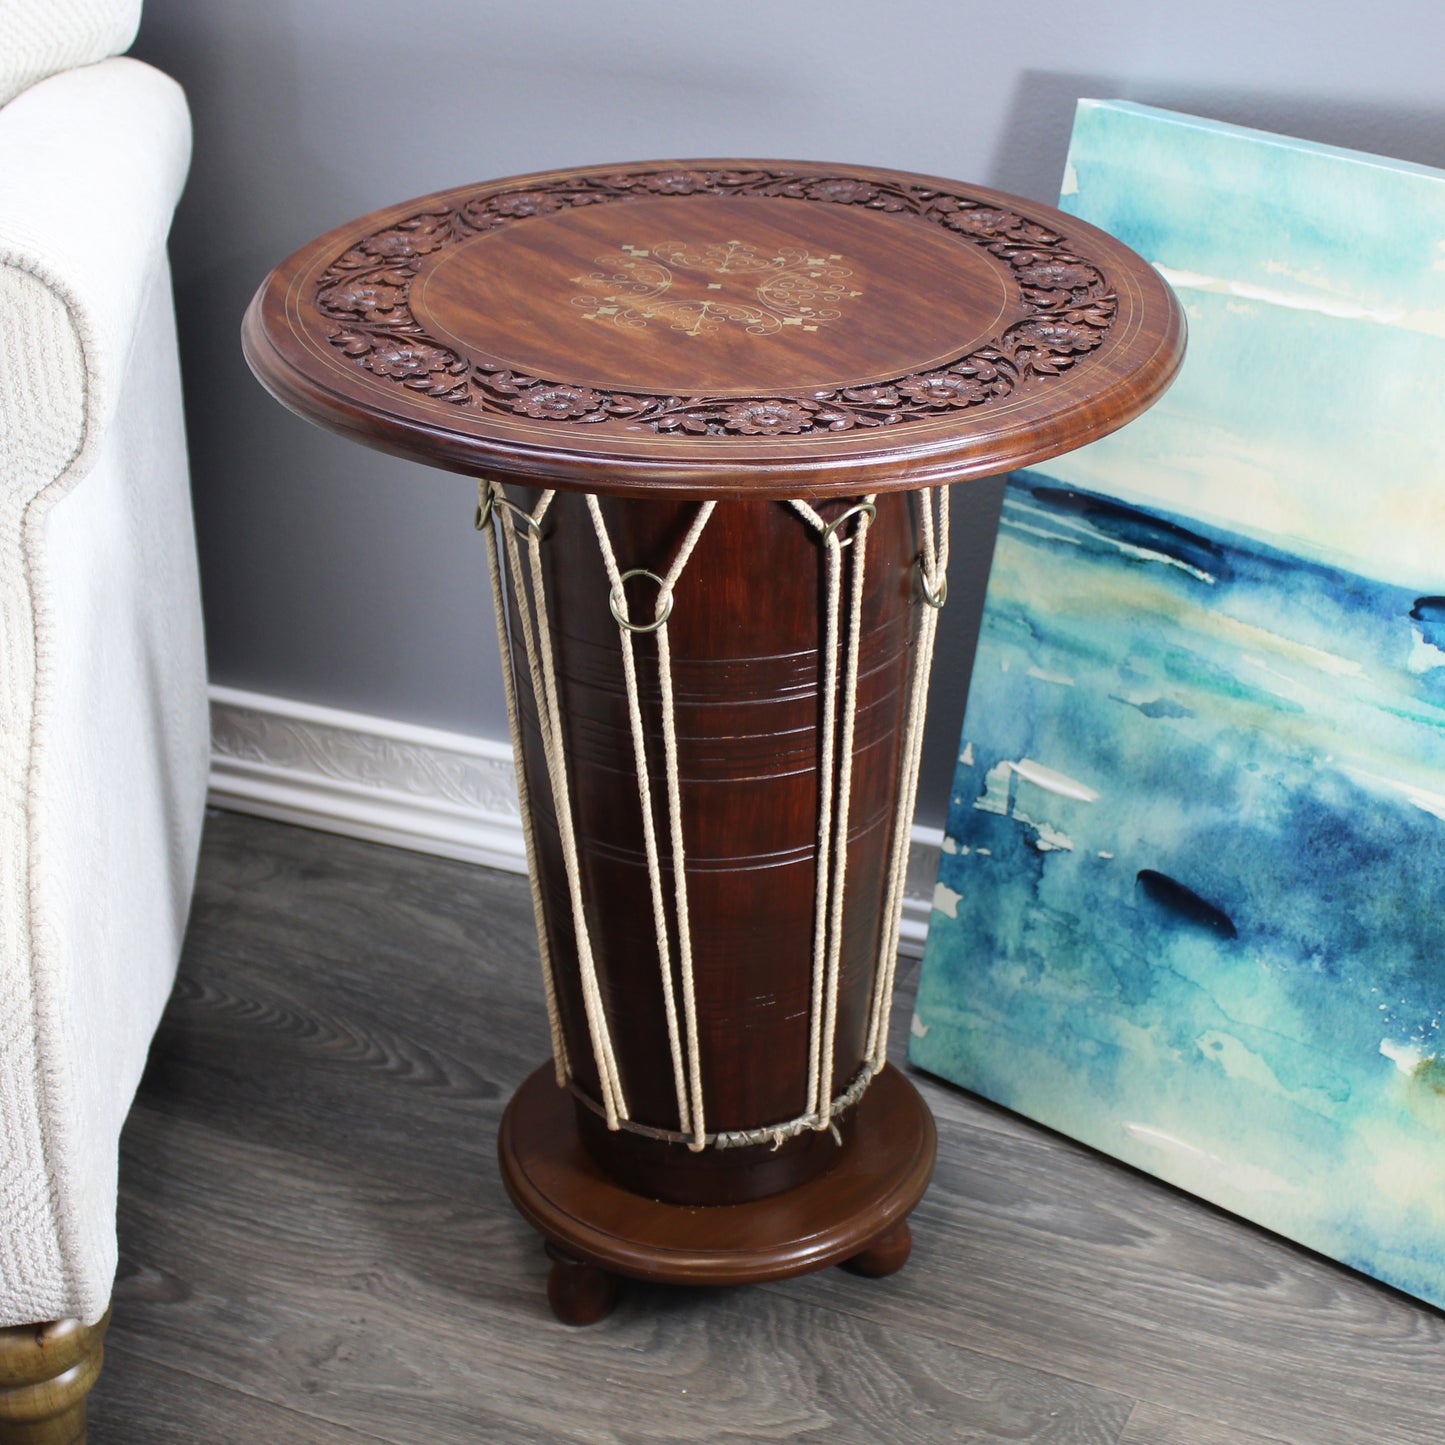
[146, 1402]
[718, 328]
[405, 1317]
[316, 1244]
[1154, 1425]
[46, 1373]
[1168, 1289]
[787, 310]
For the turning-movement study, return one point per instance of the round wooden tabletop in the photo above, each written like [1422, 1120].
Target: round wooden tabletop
[718, 328]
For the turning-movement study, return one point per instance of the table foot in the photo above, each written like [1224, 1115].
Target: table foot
[579, 1293]
[885, 1255]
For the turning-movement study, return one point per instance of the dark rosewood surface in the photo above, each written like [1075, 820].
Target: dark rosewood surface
[718, 328]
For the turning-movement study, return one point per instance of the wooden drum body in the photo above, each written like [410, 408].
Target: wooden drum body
[715, 408]
[747, 655]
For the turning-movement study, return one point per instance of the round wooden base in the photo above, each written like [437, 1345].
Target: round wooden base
[854, 1213]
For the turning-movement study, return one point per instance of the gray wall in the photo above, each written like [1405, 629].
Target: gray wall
[340, 576]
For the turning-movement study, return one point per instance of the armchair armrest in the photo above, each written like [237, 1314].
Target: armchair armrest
[103, 741]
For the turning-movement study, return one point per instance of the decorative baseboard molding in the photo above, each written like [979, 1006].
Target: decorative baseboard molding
[392, 782]
[373, 778]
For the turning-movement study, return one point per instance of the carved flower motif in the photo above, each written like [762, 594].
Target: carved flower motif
[1034, 234]
[872, 395]
[1055, 336]
[767, 417]
[735, 178]
[980, 221]
[392, 246]
[845, 191]
[675, 183]
[412, 238]
[942, 388]
[482, 215]
[525, 203]
[351, 343]
[363, 298]
[1057, 276]
[557, 403]
[1096, 314]
[401, 360]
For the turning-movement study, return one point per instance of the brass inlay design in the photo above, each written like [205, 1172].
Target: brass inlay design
[761, 293]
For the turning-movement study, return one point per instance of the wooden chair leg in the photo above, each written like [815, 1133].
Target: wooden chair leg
[46, 1372]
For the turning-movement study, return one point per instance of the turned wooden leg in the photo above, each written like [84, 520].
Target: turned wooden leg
[887, 1254]
[579, 1293]
[46, 1371]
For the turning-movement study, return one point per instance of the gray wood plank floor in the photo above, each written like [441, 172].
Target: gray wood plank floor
[316, 1246]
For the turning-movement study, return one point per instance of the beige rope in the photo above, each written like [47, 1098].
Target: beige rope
[486, 520]
[687, 1080]
[537, 641]
[933, 566]
[674, 808]
[833, 804]
[845, 796]
[774, 1134]
[829, 659]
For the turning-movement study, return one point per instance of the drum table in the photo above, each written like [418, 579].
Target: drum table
[714, 408]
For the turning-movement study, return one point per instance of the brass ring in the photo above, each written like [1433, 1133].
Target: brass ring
[486, 500]
[842, 517]
[493, 498]
[934, 599]
[614, 597]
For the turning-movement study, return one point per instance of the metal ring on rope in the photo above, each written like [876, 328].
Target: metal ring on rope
[491, 498]
[614, 597]
[934, 599]
[853, 511]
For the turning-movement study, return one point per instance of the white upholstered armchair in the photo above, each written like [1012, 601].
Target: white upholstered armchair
[103, 728]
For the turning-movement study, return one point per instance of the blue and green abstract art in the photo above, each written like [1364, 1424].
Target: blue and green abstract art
[1190, 904]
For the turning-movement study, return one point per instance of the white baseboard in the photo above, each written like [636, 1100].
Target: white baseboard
[373, 778]
[392, 782]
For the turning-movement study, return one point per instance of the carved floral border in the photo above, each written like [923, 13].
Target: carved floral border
[364, 295]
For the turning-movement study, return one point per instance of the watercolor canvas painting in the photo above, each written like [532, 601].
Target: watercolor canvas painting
[1189, 909]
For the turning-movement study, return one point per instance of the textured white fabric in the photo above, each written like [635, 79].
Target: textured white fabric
[103, 738]
[39, 38]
